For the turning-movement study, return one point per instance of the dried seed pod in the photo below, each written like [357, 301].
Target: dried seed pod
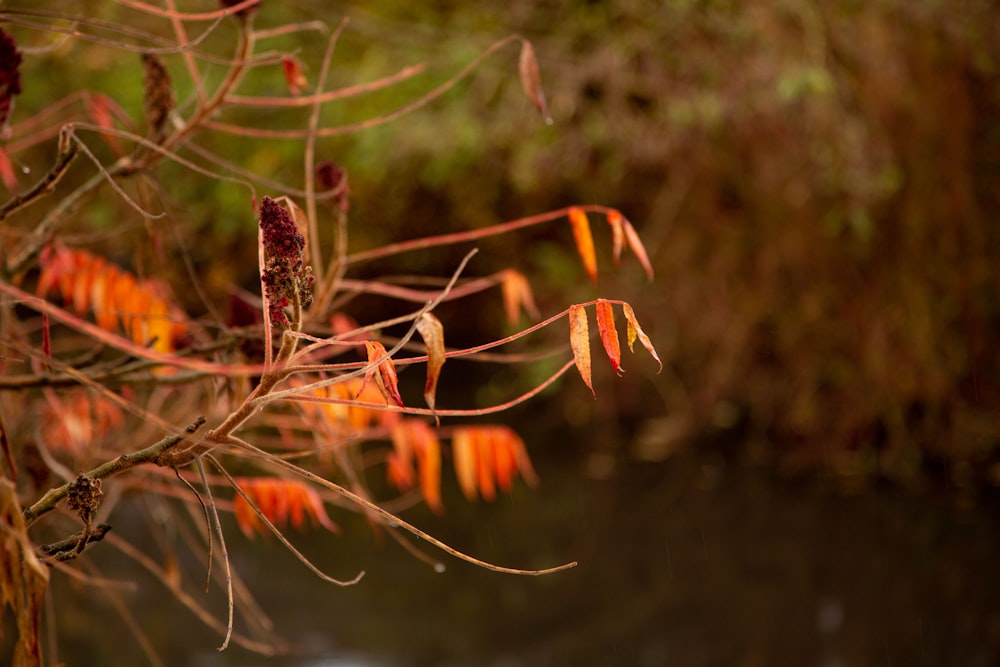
[158, 96]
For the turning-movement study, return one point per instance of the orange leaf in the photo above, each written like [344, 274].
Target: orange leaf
[384, 373]
[415, 438]
[115, 296]
[636, 245]
[517, 295]
[432, 331]
[609, 334]
[584, 240]
[428, 452]
[531, 80]
[283, 501]
[635, 331]
[485, 463]
[579, 341]
[464, 454]
[489, 457]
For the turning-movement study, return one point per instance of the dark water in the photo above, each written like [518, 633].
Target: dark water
[700, 560]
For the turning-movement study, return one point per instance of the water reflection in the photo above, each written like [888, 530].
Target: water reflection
[695, 561]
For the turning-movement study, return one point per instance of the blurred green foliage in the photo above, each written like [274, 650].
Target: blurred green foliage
[816, 182]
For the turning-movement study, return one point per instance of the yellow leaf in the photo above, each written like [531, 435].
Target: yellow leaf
[584, 241]
[579, 341]
[635, 331]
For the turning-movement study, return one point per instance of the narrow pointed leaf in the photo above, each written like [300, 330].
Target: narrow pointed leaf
[635, 331]
[579, 341]
[636, 245]
[432, 331]
[7, 174]
[428, 453]
[517, 295]
[584, 241]
[485, 444]
[531, 80]
[609, 334]
[617, 234]
[464, 455]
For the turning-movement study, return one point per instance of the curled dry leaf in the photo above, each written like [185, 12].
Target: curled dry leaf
[635, 331]
[489, 457]
[285, 502]
[23, 578]
[579, 341]
[432, 331]
[384, 373]
[609, 334]
[584, 240]
[531, 79]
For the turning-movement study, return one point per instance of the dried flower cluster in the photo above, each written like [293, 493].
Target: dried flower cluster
[10, 76]
[286, 277]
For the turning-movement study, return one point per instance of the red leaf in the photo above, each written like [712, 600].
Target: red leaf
[294, 77]
[7, 173]
[584, 240]
[609, 334]
[579, 341]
